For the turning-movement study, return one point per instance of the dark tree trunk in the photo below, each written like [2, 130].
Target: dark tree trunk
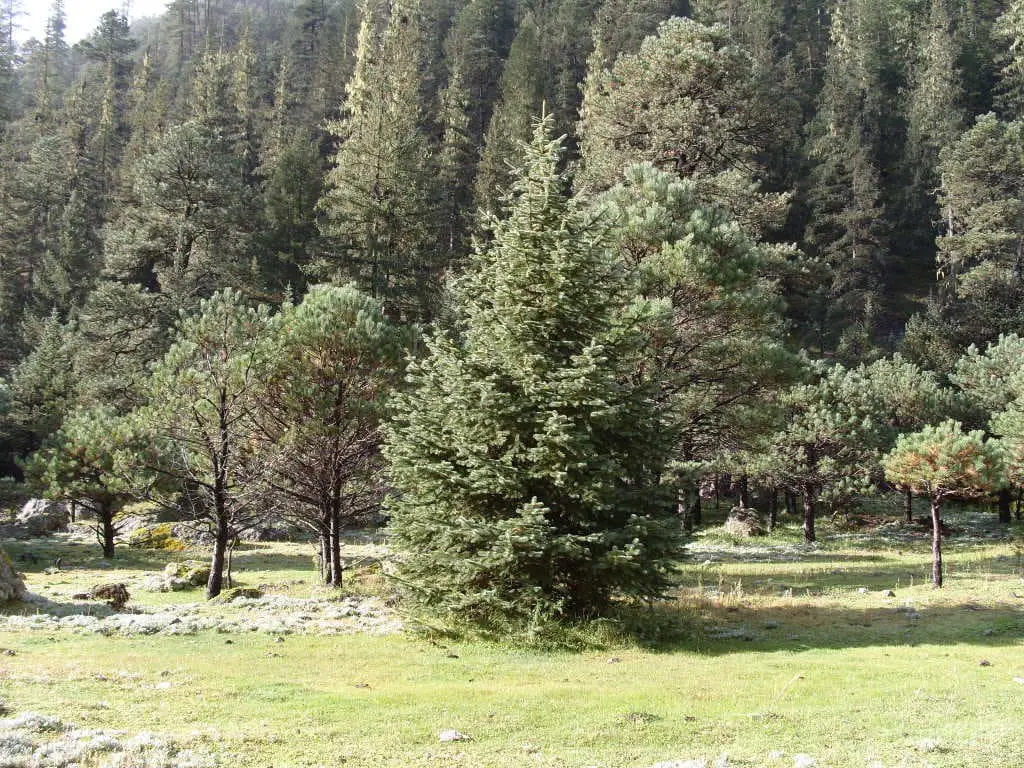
[790, 503]
[106, 516]
[696, 512]
[936, 544]
[908, 506]
[773, 509]
[809, 514]
[1005, 508]
[1017, 506]
[215, 583]
[744, 492]
[336, 565]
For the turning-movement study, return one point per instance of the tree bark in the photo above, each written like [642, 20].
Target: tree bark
[696, 512]
[744, 492]
[215, 583]
[936, 543]
[325, 555]
[809, 514]
[683, 509]
[773, 509]
[790, 503]
[106, 516]
[1005, 509]
[336, 564]
[908, 506]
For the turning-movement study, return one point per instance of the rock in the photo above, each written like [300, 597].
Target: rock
[450, 734]
[888, 593]
[984, 663]
[116, 595]
[988, 632]
[271, 533]
[804, 761]
[927, 745]
[11, 585]
[239, 593]
[1019, 680]
[41, 517]
[744, 522]
[863, 590]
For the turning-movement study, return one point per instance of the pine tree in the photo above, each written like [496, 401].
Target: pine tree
[941, 462]
[935, 119]
[380, 196]
[526, 459]
[1009, 32]
[332, 362]
[981, 254]
[687, 103]
[92, 461]
[202, 394]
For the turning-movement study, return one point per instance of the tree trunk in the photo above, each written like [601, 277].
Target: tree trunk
[696, 512]
[220, 547]
[1017, 509]
[336, 565]
[773, 509]
[790, 503]
[231, 558]
[744, 492]
[809, 514]
[1005, 510]
[325, 556]
[908, 506]
[936, 544]
[106, 516]
[683, 509]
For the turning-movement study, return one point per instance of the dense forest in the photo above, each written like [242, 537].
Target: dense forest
[633, 252]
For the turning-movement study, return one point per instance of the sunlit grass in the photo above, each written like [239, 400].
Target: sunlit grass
[775, 649]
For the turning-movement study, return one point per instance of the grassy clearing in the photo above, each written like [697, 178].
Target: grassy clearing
[777, 650]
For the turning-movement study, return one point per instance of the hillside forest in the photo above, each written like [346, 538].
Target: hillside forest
[529, 281]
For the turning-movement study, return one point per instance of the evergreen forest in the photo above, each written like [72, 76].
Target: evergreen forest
[528, 282]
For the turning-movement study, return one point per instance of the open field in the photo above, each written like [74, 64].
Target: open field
[770, 651]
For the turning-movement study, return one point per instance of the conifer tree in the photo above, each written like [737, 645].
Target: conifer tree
[380, 195]
[687, 103]
[526, 458]
[202, 394]
[941, 462]
[332, 362]
[1009, 33]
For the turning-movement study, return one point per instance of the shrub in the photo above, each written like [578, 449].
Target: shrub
[159, 536]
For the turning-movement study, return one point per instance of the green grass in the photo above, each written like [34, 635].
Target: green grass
[808, 664]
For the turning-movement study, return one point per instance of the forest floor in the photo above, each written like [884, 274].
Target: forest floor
[770, 654]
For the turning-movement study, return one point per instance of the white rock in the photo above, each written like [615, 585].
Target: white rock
[450, 734]
[804, 761]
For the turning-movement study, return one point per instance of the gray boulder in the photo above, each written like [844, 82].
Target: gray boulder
[41, 517]
[744, 522]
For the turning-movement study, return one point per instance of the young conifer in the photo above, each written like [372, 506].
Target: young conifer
[525, 458]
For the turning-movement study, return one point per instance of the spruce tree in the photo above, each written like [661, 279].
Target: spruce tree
[525, 457]
[380, 196]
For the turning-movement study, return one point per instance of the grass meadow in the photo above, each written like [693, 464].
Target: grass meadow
[767, 651]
